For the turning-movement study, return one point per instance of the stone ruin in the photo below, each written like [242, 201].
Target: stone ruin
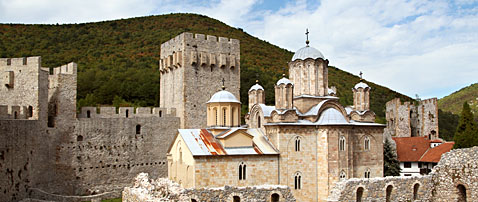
[455, 178]
[162, 189]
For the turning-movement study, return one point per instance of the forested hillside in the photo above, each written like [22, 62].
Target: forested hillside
[454, 102]
[118, 60]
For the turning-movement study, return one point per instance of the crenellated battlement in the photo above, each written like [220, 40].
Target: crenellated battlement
[429, 101]
[199, 50]
[70, 68]
[15, 112]
[24, 61]
[125, 112]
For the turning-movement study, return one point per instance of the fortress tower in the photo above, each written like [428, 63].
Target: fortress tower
[192, 67]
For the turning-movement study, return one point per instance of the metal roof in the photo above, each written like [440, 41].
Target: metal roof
[284, 80]
[361, 85]
[331, 116]
[256, 87]
[307, 52]
[223, 96]
[201, 142]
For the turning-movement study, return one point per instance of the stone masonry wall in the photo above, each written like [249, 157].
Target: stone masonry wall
[457, 168]
[204, 61]
[162, 189]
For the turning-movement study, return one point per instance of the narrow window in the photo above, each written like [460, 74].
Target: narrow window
[193, 200]
[79, 138]
[342, 143]
[297, 143]
[367, 143]
[415, 191]
[138, 129]
[232, 116]
[297, 181]
[461, 193]
[342, 176]
[15, 115]
[275, 197]
[215, 112]
[258, 121]
[161, 115]
[30, 111]
[367, 173]
[236, 199]
[127, 113]
[88, 114]
[180, 155]
[359, 194]
[242, 171]
[388, 193]
[224, 117]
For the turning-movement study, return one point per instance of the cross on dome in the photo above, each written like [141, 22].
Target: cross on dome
[307, 36]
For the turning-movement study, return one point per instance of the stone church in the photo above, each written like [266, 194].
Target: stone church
[307, 140]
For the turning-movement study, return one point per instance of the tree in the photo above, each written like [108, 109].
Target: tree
[466, 134]
[391, 165]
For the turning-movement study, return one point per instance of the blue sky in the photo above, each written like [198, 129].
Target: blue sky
[424, 47]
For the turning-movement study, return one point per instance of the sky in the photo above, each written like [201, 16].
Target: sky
[415, 47]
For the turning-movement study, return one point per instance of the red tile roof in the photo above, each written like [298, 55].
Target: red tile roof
[417, 149]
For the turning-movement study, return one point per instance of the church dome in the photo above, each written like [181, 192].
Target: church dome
[284, 80]
[361, 85]
[223, 96]
[256, 87]
[332, 116]
[307, 52]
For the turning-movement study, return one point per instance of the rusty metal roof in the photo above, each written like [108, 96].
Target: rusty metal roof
[201, 142]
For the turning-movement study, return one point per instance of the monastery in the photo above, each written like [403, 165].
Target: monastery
[307, 140]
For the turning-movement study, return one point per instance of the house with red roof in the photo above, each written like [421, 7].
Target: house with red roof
[418, 155]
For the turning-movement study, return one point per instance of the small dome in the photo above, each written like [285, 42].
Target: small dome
[361, 85]
[284, 81]
[256, 87]
[223, 96]
[331, 91]
[331, 116]
[307, 52]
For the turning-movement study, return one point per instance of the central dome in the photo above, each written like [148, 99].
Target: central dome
[223, 96]
[307, 52]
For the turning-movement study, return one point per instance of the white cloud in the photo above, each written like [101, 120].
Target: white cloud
[412, 46]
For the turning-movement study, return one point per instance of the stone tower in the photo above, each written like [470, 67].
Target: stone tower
[361, 97]
[283, 92]
[309, 74]
[256, 95]
[192, 67]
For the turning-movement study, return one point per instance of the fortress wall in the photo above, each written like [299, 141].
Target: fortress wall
[23, 84]
[428, 113]
[62, 92]
[456, 168]
[195, 56]
[125, 112]
[106, 154]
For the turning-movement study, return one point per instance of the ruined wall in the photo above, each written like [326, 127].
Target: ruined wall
[145, 189]
[408, 120]
[453, 179]
[62, 88]
[204, 61]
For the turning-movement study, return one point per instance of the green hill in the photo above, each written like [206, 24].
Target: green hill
[454, 102]
[118, 60]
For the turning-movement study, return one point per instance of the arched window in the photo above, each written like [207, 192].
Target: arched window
[367, 173]
[388, 193]
[138, 129]
[366, 143]
[242, 171]
[193, 200]
[127, 113]
[297, 143]
[359, 194]
[461, 193]
[297, 181]
[258, 121]
[79, 138]
[88, 114]
[343, 175]
[415, 191]
[161, 115]
[224, 117]
[232, 115]
[342, 143]
[275, 197]
[215, 112]
[180, 155]
[15, 115]
[236, 199]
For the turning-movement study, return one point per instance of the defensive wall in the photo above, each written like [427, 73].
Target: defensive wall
[453, 179]
[49, 152]
[162, 189]
[190, 62]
